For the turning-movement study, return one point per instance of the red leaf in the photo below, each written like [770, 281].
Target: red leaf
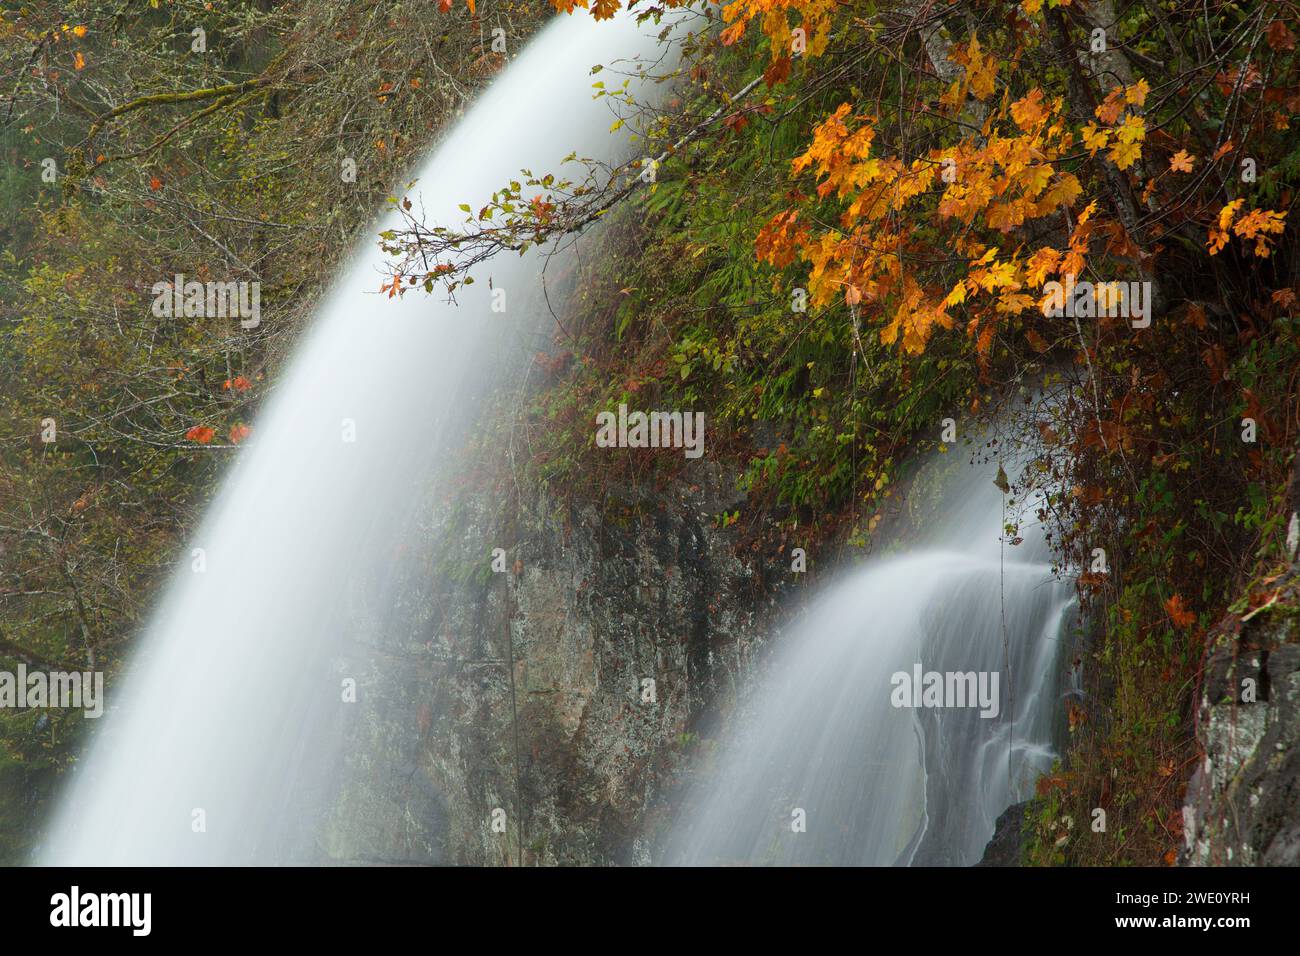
[777, 72]
[736, 121]
[201, 434]
[1279, 37]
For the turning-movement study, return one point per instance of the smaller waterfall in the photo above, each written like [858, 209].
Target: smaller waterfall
[820, 767]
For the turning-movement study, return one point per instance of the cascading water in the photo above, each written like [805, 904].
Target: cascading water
[229, 717]
[819, 766]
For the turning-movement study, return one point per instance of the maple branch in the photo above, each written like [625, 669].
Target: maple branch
[418, 244]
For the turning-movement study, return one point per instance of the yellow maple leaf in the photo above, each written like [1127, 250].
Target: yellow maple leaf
[981, 71]
[1035, 180]
[1133, 130]
[1125, 155]
[998, 275]
[1095, 138]
[1229, 213]
[1063, 192]
[1013, 303]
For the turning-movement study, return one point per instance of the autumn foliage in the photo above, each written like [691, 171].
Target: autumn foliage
[984, 191]
[926, 175]
[1032, 151]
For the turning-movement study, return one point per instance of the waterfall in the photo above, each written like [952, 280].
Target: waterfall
[221, 745]
[818, 766]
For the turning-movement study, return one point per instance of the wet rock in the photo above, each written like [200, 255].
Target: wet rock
[540, 714]
[1243, 802]
[1004, 849]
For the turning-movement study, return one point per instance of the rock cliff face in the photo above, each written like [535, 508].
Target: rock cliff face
[546, 712]
[538, 714]
[542, 714]
[1007, 844]
[1243, 802]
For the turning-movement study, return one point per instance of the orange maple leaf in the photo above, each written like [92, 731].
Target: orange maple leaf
[732, 33]
[541, 208]
[1179, 614]
[201, 434]
[1029, 112]
[1181, 162]
[1258, 224]
[238, 433]
[1110, 108]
